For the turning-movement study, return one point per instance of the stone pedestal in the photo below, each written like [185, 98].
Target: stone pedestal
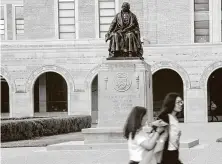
[122, 84]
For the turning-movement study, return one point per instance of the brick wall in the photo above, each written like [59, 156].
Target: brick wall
[87, 19]
[39, 19]
[173, 21]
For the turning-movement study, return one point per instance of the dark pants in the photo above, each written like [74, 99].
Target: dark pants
[133, 162]
[213, 115]
[171, 157]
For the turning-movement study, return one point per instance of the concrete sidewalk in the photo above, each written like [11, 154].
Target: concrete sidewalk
[45, 140]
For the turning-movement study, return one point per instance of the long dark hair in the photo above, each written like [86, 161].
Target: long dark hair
[134, 120]
[168, 104]
[167, 108]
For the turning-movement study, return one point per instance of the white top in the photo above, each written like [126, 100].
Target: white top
[135, 150]
[174, 133]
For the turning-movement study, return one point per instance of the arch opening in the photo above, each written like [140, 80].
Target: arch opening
[50, 93]
[4, 96]
[164, 82]
[214, 96]
[94, 99]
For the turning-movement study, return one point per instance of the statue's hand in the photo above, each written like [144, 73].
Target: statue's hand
[123, 31]
[107, 37]
[120, 32]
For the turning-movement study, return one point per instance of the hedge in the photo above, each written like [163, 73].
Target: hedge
[24, 129]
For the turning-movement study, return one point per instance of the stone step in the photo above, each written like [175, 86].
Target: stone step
[80, 145]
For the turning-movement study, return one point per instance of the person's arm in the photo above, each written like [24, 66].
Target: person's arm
[151, 142]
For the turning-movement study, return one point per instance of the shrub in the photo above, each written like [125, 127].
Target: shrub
[24, 129]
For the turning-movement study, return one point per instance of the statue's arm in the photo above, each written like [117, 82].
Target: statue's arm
[111, 28]
[113, 24]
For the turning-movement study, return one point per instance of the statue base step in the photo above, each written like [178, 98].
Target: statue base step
[115, 136]
[81, 145]
[125, 58]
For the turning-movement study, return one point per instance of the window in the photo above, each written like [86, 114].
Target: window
[19, 22]
[2, 24]
[106, 15]
[66, 19]
[201, 21]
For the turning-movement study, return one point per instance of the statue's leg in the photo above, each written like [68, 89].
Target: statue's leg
[116, 41]
[130, 44]
[130, 40]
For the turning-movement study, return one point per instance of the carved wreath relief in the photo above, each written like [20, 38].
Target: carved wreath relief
[121, 82]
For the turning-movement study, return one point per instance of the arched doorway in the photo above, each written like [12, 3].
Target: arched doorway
[4, 96]
[214, 90]
[94, 98]
[50, 93]
[165, 81]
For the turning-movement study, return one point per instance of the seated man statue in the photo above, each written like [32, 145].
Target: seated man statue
[124, 35]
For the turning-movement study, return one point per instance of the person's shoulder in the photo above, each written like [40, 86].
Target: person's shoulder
[140, 136]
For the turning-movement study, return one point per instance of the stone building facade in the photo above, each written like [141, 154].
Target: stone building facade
[66, 37]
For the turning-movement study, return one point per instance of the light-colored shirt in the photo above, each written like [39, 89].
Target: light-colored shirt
[135, 150]
[174, 133]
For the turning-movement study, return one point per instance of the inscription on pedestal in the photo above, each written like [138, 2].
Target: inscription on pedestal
[121, 102]
[120, 108]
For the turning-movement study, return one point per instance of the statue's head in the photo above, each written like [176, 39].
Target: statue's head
[125, 6]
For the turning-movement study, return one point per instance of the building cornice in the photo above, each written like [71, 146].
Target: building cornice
[90, 44]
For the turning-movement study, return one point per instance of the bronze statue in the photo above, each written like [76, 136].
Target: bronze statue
[124, 35]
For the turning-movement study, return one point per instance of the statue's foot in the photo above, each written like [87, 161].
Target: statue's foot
[111, 54]
[130, 54]
[141, 58]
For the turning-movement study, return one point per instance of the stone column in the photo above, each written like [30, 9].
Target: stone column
[215, 16]
[39, 19]
[196, 106]
[42, 93]
[9, 22]
[78, 103]
[21, 105]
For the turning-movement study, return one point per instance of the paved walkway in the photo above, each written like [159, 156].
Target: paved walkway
[208, 152]
[44, 141]
[211, 154]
